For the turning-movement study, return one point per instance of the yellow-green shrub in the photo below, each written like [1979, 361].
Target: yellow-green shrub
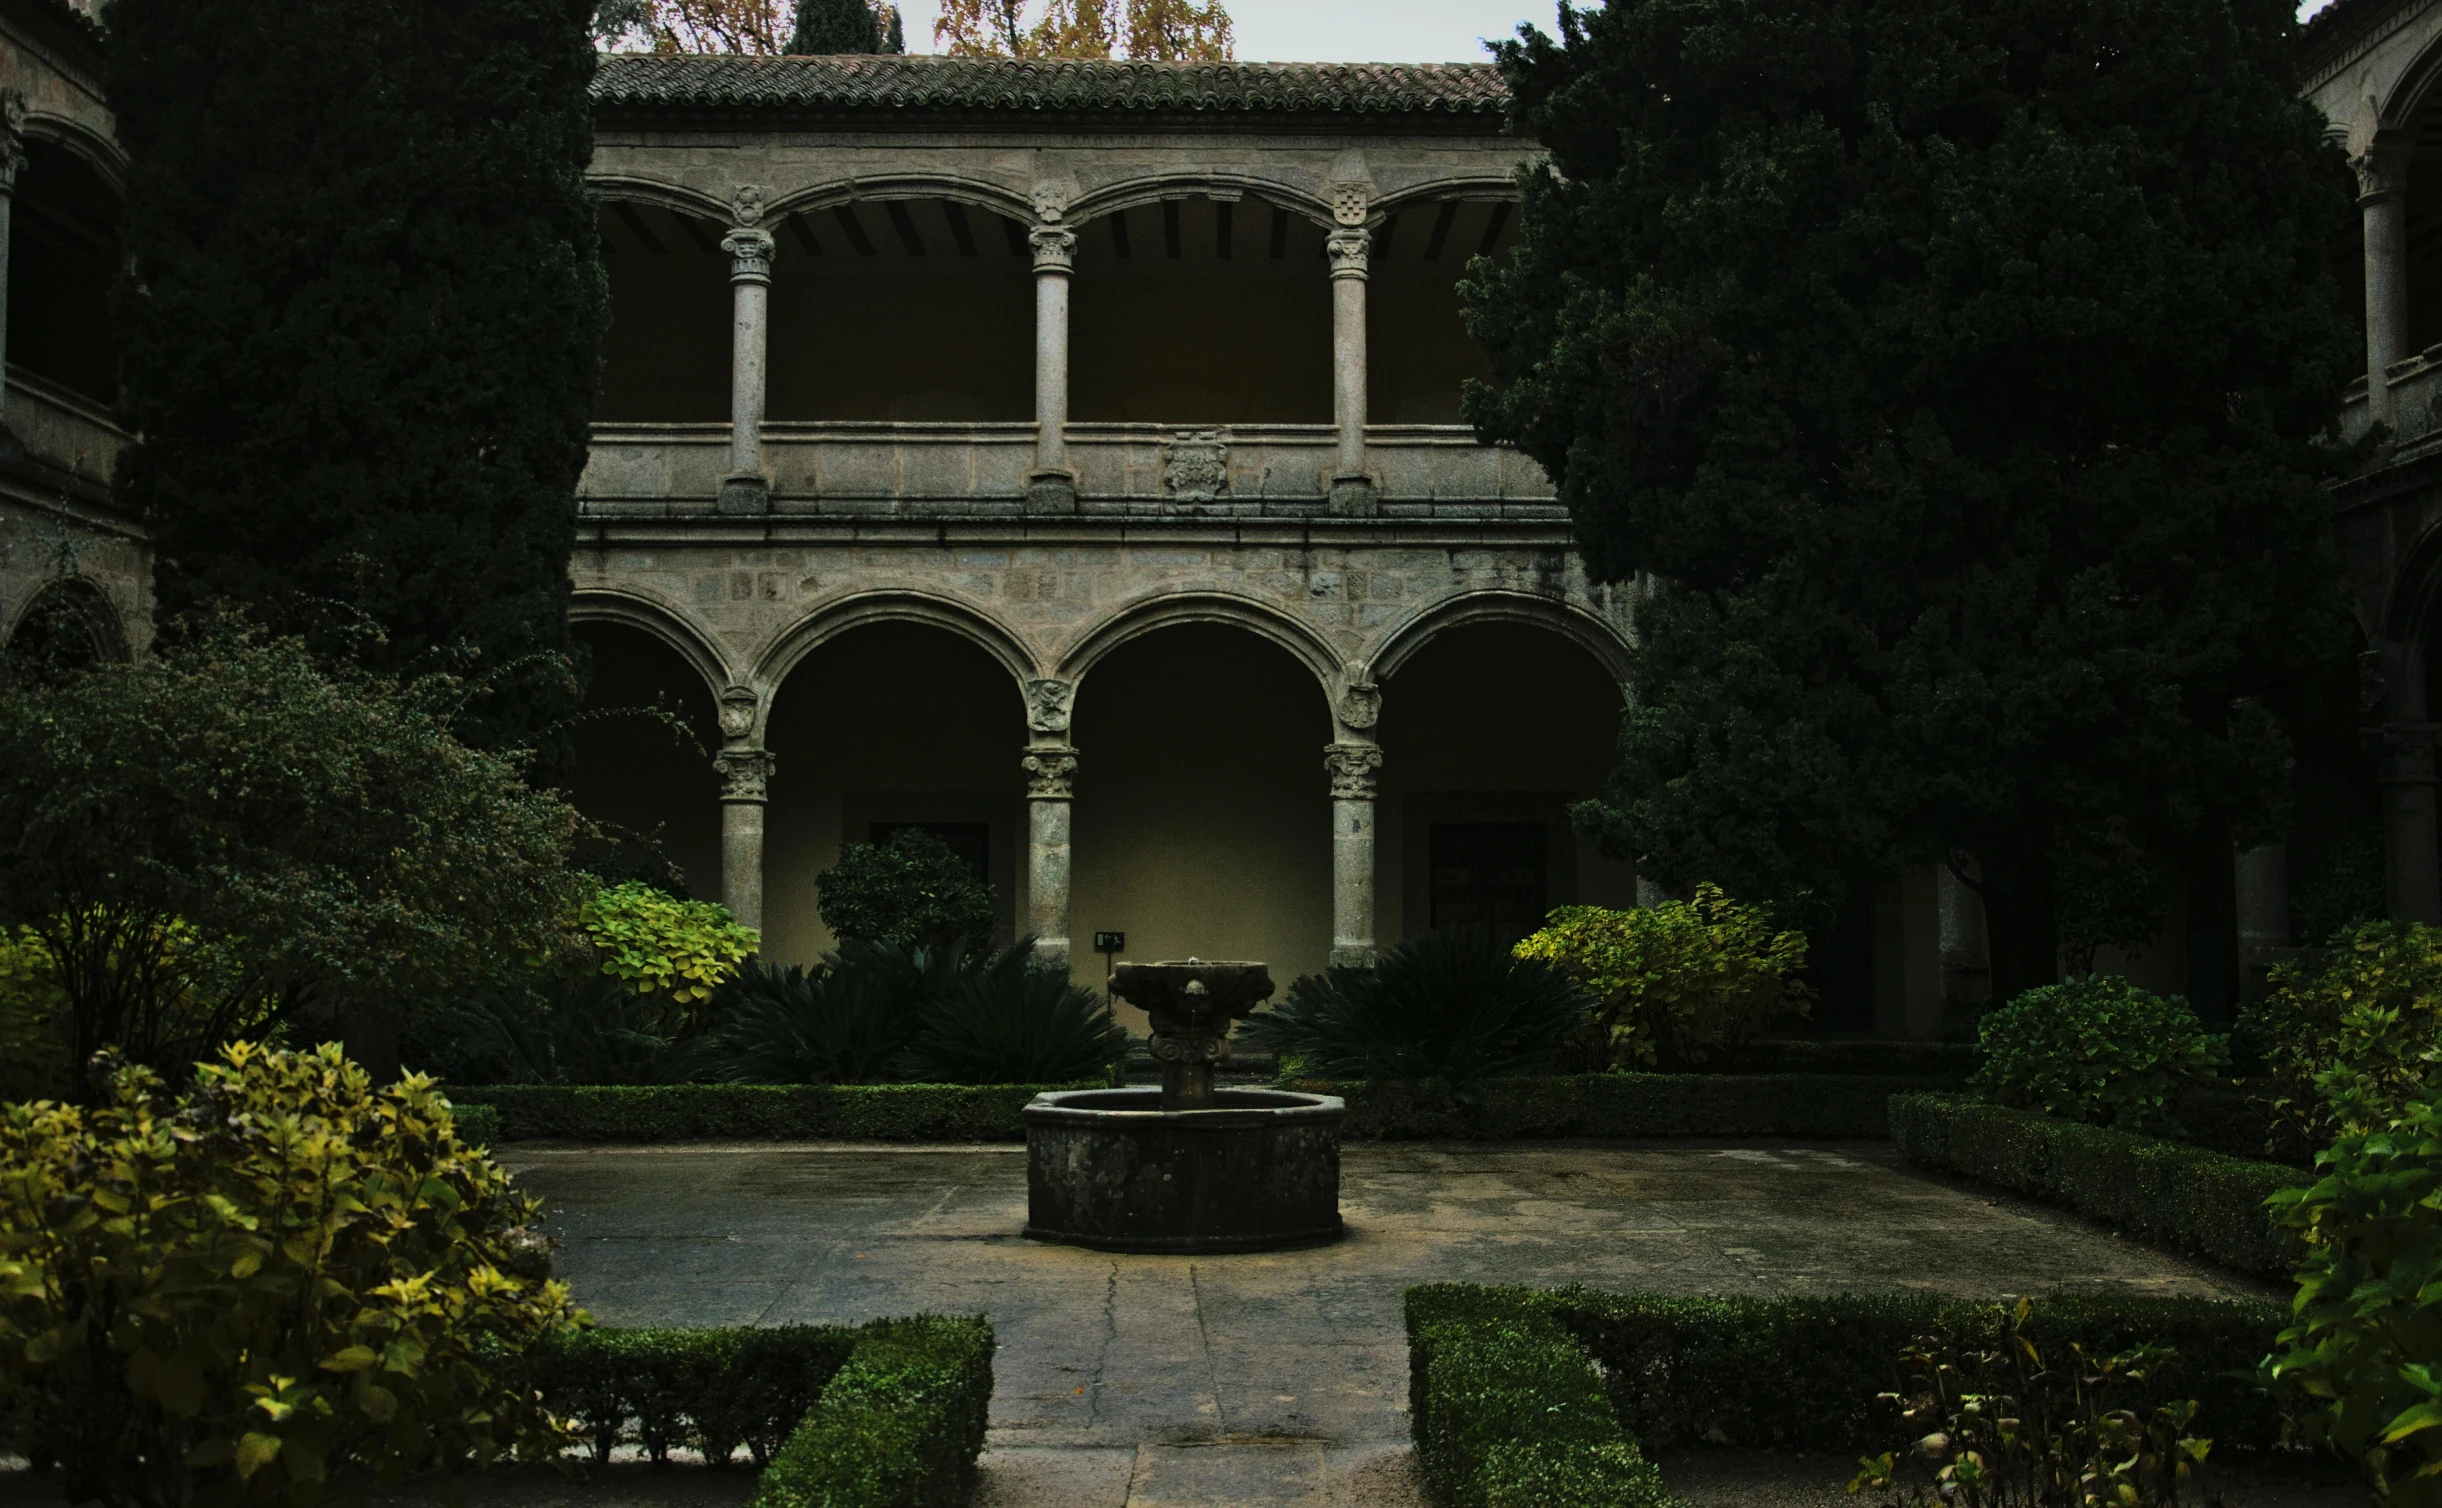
[1678, 982]
[235, 1293]
[659, 942]
[2364, 1015]
[33, 1028]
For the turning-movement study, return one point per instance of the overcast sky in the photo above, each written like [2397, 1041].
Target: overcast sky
[1340, 31]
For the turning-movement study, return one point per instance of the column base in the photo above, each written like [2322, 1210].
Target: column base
[744, 492]
[1354, 494]
[1051, 491]
[1346, 957]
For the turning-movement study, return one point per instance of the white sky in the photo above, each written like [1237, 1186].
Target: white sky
[1340, 31]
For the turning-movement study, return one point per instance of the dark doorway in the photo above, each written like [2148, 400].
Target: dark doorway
[971, 841]
[1488, 875]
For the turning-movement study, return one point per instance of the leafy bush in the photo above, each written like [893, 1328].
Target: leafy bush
[900, 1424]
[2098, 1050]
[2367, 1012]
[1674, 984]
[275, 1277]
[1985, 1424]
[1450, 1005]
[207, 839]
[2365, 1351]
[2197, 1202]
[662, 944]
[911, 892]
[33, 1021]
[557, 1028]
[1014, 1020]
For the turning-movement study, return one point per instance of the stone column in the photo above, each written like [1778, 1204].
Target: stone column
[1051, 487]
[2412, 868]
[12, 158]
[1352, 487]
[2261, 884]
[2382, 203]
[746, 489]
[1051, 772]
[1967, 966]
[1352, 767]
[746, 775]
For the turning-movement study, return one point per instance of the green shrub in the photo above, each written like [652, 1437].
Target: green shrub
[1452, 1006]
[1805, 1373]
[553, 1027]
[1834, 1106]
[1507, 1410]
[33, 1021]
[278, 1276]
[899, 1426]
[2193, 1201]
[477, 1125]
[2365, 1351]
[661, 944]
[912, 892]
[844, 1022]
[1014, 1020]
[1674, 984]
[2098, 1050]
[749, 1112]
[2368, 1007]
[707, 1390]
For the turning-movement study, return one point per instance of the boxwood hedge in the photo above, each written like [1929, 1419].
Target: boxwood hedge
[754, 1112]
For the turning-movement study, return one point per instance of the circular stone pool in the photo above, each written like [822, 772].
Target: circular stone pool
[1111, 1169]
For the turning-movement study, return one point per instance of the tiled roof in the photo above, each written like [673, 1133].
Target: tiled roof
[936, 85]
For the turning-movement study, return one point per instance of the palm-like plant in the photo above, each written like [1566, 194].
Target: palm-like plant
[1014, 1021]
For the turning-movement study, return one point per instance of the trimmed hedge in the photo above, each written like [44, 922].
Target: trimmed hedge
[901, 1424]
[1508, 1412]
[1823, 1106]
[1791, 1374]
[1889, 1056]
[711, 1390]
[2203, 1204]
[479, 1124]
[755, 1112]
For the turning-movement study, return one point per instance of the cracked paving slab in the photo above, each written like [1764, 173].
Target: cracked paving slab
[1269, 1378]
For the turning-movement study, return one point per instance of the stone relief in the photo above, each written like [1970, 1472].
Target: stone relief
[745, 773]
[1195, 465]
[1352, 768]
[1350, 201]
[746, 204]
[1050, 774]
[1047, 705]
[1360, 705]
[738, 711]
[12, 135]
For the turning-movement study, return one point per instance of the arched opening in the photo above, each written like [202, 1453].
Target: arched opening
[665, 359]
[1488, 733]
[888, 725]
[1418, 351]
[636, 773]
[909, 310]
[68, 628]
[1202, 822]
[1200, 311]
[63, 255]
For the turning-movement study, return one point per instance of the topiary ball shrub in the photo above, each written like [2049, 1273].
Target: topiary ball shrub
[912, 892]
[239, 1292]
[2097, 1050]
[1453, 1005]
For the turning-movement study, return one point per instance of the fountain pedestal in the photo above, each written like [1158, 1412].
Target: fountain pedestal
[1186, 1167]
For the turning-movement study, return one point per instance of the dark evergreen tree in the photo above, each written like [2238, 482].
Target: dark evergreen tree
[365, 315]
[1950, 373]
[840, 26]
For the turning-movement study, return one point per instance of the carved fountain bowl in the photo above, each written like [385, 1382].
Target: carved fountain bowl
[1169, 992]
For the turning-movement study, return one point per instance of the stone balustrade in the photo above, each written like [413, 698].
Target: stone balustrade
[64, 429]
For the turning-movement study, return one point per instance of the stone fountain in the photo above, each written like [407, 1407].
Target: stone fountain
[1186, 1167]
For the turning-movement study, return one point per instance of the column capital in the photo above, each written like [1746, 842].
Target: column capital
[12, 138]
[1055, 248]
[1351, 248]
[1048, 703]
[750, 254]
[1050, 774]
[2405, 753]
[1352, 767]
[745, 774]
[2382, 172]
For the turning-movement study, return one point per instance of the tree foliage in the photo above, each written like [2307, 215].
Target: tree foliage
[1169, 31]
[208, 840]
[364, 315]
[913, 891]
[1948, 377]
[846, 26]
[763, 27]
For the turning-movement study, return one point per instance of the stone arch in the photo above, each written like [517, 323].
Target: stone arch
[1132, 192]
[73, 607]
[896, 605]
[975, 193]
[1483, 186]
[98, 151]
[1147, 614]
[661, 622]
[1570, 620]
[677, 198]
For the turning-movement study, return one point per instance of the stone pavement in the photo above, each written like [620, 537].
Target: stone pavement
[1278, 1378]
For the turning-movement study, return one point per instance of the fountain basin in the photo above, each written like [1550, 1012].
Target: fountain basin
[1111, 1169]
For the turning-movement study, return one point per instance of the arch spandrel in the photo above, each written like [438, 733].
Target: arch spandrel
[678, 198]
[650, 615]
[1566, 617]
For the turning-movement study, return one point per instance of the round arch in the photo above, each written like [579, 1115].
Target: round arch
[99, 152]
[661, 622]
[1567, 619]
[1482, 187]
[975, 193]
[1147, 614]
[1133, 192]
[73, 604]
[677, 198]
[896, 605]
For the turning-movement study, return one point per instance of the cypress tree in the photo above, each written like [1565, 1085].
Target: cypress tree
[364, 316]
[846, 26]
[1954, 372]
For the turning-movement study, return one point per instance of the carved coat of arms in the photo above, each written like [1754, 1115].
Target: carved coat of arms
[1195, 465]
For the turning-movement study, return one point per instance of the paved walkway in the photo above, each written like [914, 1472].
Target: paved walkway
[1275, 1378]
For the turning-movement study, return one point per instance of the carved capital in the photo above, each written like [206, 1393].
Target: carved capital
[2405, 753]
[1360, 705]
[1055, 248]
[1351, 201]
[750, 255]
[12, 138]
[1350, 250]
[746, 204]
[746, 774]
[1352, 769]
[2381, 172]
[738, 705]
[1050, 774]
[1047, 705]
